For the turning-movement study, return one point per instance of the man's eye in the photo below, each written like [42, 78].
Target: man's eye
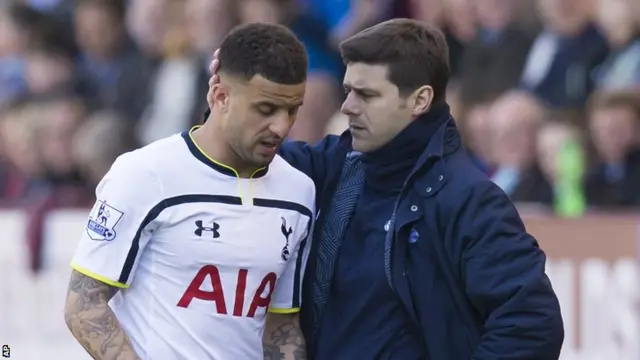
[293, 110]
[266, 110]
[363, 95]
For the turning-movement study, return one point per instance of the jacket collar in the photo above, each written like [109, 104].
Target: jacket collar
[445, 140]
[387, 168]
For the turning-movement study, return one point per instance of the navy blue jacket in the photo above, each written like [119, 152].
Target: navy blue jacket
[469, 275]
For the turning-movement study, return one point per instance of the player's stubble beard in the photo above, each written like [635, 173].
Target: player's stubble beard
[250, 149]
[246, 152]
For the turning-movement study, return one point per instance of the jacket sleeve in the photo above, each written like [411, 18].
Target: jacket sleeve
[313, 160]
[503, 271]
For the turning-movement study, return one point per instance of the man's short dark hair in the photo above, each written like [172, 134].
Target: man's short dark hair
[416, 54]
[272, 51]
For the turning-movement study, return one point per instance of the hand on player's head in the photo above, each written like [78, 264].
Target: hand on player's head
[214, 67]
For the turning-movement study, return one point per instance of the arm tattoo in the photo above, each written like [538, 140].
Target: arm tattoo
[272, 352]
[287, 333]
[92, 322]
[283, 338]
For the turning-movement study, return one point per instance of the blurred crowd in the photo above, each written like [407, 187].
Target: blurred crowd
[546, 92]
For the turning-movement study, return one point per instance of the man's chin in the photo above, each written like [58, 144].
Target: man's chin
[263, 159]
[360, 145]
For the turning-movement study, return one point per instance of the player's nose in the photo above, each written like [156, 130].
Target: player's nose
[281, 125]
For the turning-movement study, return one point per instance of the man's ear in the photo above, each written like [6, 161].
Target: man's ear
[423, 97]
[219, 97]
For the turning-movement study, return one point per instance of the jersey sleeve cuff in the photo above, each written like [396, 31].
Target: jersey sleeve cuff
[284, 311]
[98, 277]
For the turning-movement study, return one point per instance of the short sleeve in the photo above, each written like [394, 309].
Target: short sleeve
[118, 227]
[287, 295]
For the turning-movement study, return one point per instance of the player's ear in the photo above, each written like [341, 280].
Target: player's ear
[220, 97]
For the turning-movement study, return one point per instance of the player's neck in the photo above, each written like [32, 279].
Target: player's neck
[217, 148]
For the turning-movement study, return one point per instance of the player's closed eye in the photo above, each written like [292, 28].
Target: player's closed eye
[266, 109]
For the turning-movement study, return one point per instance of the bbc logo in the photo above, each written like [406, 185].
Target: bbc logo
[6, 351]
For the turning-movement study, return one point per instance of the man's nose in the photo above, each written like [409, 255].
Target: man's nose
[282, 124]
[351, 106]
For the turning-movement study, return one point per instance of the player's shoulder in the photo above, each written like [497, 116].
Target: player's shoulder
[162, 152]
[291, 184]
[156, 155]
[282, 170]
[142, 164]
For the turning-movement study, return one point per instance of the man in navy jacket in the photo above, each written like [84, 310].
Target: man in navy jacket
[416, 254]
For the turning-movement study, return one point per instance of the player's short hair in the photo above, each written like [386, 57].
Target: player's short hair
[415, 52]
[272, 51]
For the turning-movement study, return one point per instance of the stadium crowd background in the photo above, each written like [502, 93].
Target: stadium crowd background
[538, 86]
[546, 92]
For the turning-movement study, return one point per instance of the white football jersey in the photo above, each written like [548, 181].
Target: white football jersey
[199, 253]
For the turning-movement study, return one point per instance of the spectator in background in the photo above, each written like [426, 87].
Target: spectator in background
[208, 21]
[560, 63]
[17, 21]
[515, 118]
[617, 19]
[144, 59]
[477, 130]
[174, 104]
[429, 11]
[147, 26]
[321, 25]
[92, 153]
[46, 5]
[440, 13]
[461, 18]
[552, 137]
[63, 112]
[20, 169]
[50, 59]
[110, 58]
[494, 58]
[614, 123]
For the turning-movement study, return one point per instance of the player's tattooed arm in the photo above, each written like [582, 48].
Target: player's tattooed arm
[283, 338]
[92, 322]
